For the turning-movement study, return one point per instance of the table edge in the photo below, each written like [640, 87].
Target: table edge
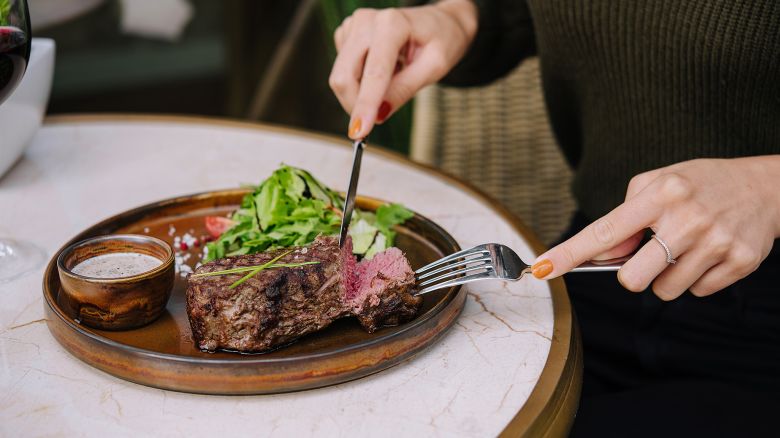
[552, 404]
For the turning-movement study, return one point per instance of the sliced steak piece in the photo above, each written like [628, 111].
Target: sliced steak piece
[383, 293]
[279, 305]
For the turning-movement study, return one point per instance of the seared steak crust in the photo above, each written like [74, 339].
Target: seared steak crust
[392, 305]
[279, 305]
[272, 308]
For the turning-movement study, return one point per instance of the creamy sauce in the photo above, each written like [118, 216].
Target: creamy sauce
[116, 265]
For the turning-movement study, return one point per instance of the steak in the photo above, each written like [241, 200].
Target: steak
[278, 305]
[382, 294]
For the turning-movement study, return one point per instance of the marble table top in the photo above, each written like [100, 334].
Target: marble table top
[78, 171]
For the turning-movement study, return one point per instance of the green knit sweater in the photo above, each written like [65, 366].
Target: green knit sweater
[632, 85]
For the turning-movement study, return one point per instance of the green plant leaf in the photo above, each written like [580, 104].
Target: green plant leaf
[5, 11]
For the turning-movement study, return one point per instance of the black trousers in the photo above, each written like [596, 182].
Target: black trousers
[688, 367]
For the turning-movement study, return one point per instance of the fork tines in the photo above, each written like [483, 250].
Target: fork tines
[461, 267]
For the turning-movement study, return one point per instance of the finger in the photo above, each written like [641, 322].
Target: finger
[680, 235]
[676, 279]
[347, 69]
[640, 182]
[411, 53]
[338, 38]
[617, 226]
[641, 269]
[636, 185]
[407, 82]
[637, 213]
[741, 263]
[717, 278]
[344, 78]
[342, 33]
[623, 249]
[390, 36]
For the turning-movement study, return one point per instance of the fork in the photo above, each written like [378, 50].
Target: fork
[491, 261]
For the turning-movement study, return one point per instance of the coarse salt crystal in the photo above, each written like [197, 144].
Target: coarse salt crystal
[189, 239]
[185, 269]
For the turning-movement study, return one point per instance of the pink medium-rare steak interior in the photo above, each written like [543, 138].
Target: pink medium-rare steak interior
[383, 295]
[374, 276]
[348, 271]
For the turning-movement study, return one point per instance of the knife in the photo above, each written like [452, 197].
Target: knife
[349, 201]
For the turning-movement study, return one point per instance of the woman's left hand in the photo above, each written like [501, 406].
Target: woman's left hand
[719, 218]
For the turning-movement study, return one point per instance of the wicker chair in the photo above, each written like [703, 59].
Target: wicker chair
[498, 138]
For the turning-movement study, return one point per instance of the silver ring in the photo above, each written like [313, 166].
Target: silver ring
[669, 258]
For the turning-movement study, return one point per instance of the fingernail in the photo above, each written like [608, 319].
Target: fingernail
[354, 128]
[383, 112]
[542, 268]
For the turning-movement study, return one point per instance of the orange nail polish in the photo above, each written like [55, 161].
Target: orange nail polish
[354, 128]
[542, 268]
[383, 112]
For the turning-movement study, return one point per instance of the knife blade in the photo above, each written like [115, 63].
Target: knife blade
[349, 201]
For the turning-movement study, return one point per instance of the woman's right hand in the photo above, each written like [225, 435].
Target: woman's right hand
[385, 56]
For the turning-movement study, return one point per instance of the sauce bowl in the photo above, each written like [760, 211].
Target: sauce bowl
[118, 303]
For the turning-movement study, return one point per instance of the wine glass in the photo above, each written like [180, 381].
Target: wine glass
[16, 257]
[15, 44]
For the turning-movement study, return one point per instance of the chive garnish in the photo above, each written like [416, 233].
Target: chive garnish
[250, 268]
[253, 270]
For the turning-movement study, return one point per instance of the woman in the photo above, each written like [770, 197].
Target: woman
[669, 112]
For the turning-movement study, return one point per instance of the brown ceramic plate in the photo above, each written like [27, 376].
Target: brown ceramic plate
[163, 355]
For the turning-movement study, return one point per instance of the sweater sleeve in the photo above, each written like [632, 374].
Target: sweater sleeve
[505, 36]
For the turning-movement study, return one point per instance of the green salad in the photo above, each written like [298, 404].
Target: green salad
[292, 207]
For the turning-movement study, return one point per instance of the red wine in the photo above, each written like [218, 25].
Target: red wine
[14, 54]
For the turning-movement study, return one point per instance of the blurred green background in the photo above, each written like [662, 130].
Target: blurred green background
[215, 67]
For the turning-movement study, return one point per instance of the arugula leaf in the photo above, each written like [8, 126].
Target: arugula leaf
[317, 190]
[291, 207]
[389, 215]
[294, 186]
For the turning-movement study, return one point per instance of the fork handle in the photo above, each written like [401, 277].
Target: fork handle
[610, 265]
